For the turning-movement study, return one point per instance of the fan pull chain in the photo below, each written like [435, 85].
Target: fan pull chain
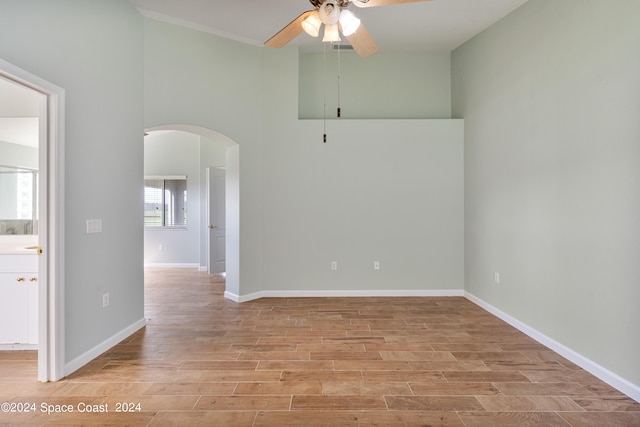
[324, 95]
[339, 70]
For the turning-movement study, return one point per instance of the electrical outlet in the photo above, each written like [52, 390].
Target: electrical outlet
[376, 265]
[105, 300]
[496, 277]
[334, 265]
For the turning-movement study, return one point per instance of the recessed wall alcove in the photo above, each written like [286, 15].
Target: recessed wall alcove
[401, 85]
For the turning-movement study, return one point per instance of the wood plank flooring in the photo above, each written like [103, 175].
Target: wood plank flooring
[204, 360]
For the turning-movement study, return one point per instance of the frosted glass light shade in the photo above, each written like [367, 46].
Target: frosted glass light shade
[331, 33]
[329, 12]
[349, 22]
[311, 25]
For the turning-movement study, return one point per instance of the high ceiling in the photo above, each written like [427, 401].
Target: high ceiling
[436, 25]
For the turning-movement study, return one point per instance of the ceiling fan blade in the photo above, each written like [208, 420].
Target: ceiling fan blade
[362, 42]
[375, 3]
[288, 33]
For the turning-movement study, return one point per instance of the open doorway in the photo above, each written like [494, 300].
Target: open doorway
[208, 236]
[31, 131]
[19, 217]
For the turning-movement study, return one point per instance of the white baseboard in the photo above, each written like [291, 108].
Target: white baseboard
[16, 347]
[233, 297]
[344, 293]
[614, 380]
[172, 265]
[96, 351]
[201, 268]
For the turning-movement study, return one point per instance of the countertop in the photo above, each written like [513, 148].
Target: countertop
[23, 245]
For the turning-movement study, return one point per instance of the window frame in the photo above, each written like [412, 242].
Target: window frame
[163, 219]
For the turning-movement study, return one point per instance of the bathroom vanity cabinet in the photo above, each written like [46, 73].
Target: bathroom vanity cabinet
[18, 300]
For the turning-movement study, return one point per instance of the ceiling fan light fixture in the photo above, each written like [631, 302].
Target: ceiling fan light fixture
[329, 12]
[349, 22]
[311, 25]
[331, 33]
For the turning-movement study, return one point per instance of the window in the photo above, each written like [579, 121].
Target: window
[27, 194]
[165, 202]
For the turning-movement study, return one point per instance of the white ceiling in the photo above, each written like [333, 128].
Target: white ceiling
[437, 25]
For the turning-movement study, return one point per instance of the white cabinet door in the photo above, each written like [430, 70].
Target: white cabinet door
[14, 297]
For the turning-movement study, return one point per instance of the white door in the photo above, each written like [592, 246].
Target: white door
[216, 216]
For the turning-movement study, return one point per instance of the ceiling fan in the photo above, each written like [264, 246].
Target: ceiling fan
[336, 18]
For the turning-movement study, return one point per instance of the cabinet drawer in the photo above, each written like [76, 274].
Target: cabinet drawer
[18, 263]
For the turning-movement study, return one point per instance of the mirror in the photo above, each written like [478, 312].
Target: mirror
[19, 196]
[19, 142]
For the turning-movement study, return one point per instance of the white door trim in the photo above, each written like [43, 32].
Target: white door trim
[207, 223]
[51, 227]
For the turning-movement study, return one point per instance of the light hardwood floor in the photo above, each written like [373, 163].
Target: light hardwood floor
[204, 360]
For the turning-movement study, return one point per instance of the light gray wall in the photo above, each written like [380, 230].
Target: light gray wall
[378, 190]
[387, 85]
[549, 96]
[93, 50]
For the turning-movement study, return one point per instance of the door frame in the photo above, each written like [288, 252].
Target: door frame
[51, 221]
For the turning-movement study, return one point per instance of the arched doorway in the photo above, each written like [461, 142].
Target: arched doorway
[228, 163]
